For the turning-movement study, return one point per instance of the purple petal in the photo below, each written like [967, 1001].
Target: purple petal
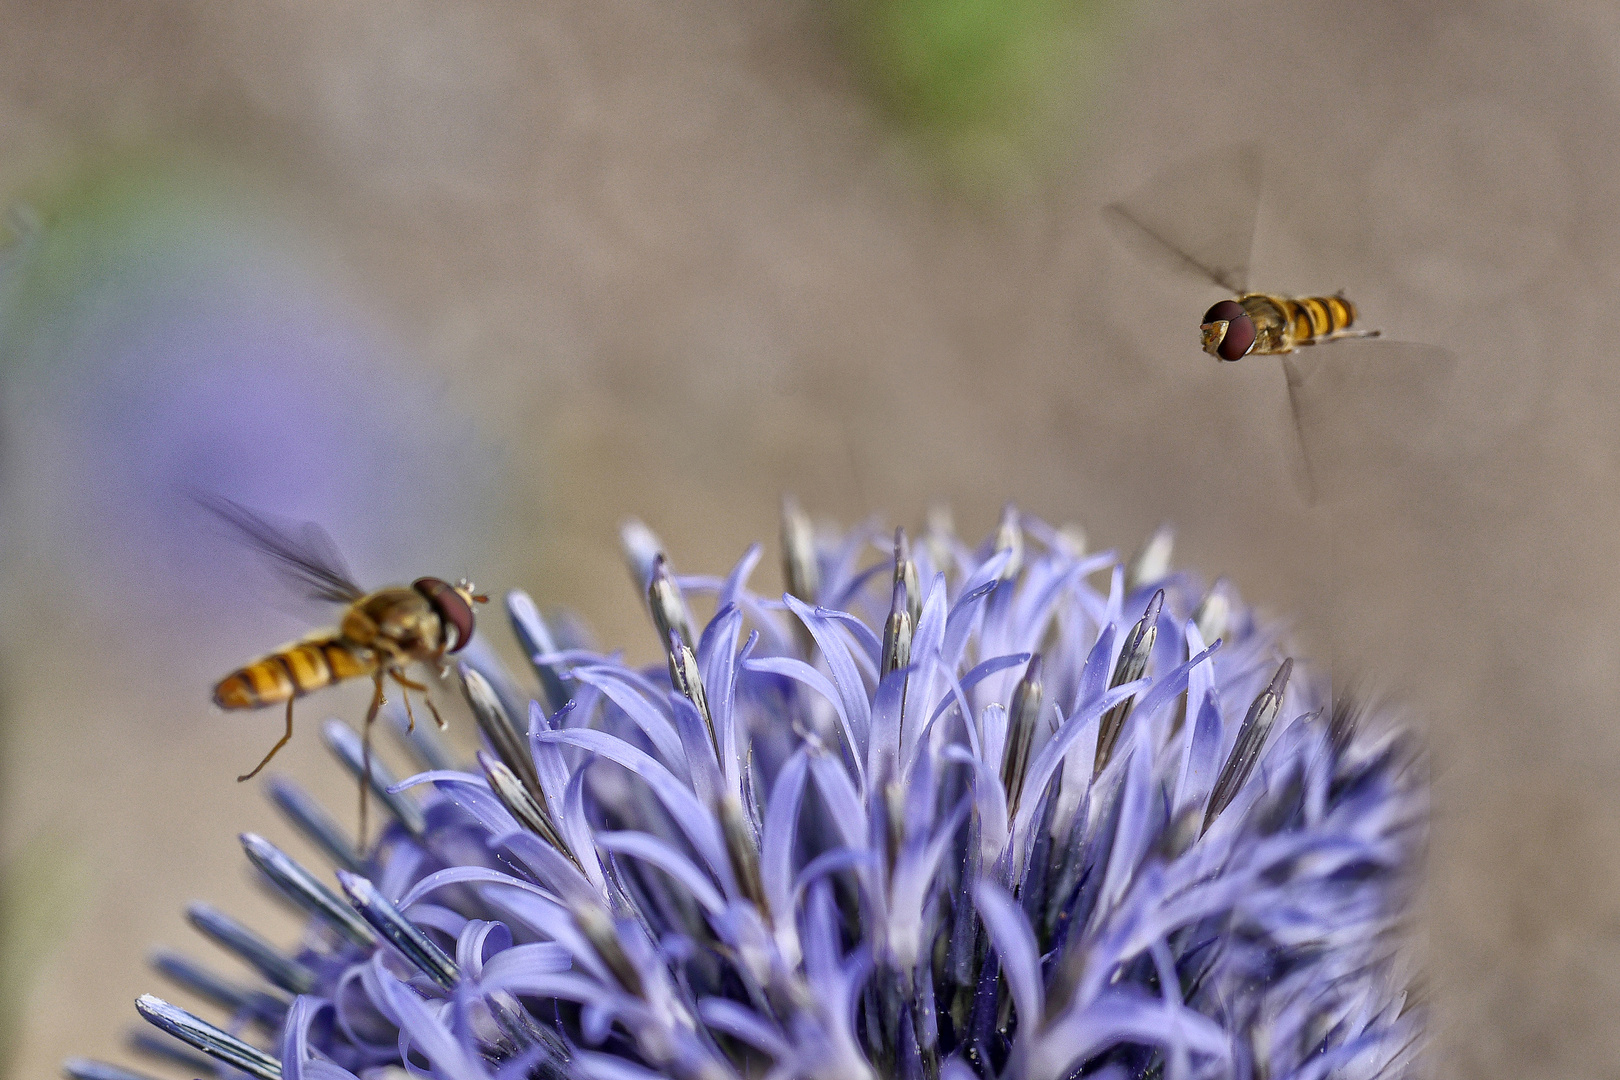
[451, 1058]
[1198, 771]
[1040, 770]
[508, 968]
[870, 652]
[799, 671]
[1015, 944]
[848, 813]
[690, 815]
[845, 676]
[643, 713]
[717, 659]
[461, 875]
[737, 581]
[743, 1023]
[652, 850]
[778, 837]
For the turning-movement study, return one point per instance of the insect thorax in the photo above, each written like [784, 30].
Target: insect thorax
[1271, 324]
[396, 620]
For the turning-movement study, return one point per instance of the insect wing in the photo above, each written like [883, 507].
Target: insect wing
[307, 557]
[1364, 412]
[1197, 217]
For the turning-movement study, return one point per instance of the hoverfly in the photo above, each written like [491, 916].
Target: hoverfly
[379, 635]
[1200, 217]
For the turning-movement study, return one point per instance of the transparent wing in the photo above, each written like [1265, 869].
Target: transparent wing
[302, 553]
[1364, 412]
[1197, 217]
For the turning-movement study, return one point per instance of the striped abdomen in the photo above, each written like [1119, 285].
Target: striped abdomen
[293, 671]
[1311, 318]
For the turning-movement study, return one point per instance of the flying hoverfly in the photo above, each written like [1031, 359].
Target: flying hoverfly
[379, 635]
[1355, 407]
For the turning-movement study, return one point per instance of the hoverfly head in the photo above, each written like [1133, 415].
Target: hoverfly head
[453, 604]
[1228, 331]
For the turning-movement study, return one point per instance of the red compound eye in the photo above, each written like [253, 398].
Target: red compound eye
[1239, 338]
[454, 612]
[1240, 333]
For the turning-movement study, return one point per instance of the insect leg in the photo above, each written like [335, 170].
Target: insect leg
[365, 753]
[274, 750]
[405, 692]
[400, 678]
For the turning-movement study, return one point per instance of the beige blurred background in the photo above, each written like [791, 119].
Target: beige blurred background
[670, 260]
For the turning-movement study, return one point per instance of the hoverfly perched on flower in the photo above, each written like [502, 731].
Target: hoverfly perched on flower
[1199, 216]
[380, 634]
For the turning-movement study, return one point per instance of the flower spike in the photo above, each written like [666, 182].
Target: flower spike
[940, 812]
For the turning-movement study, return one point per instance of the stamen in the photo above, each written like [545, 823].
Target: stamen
[801, 573]
[509, 744]
[217, 1044]
[532, 815]
[300, 886]
[259, 954]
[317, 826]
[1152, 563]
[640, 546]
[668, 606]
[265, 1008]
[1214, 612]
[399, 931]
[1132, 662]
[688, 682]
[344, 743]
[897, 630]
[1251, 737]
[905, 573]
[597, 926]
[1021, 720]
[743, 852]
[1010, 537]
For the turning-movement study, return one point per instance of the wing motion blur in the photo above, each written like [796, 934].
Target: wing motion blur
[1198, 217]
[1363, 411]
[308, 560]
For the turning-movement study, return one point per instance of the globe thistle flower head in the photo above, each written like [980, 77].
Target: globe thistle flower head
[934, 811]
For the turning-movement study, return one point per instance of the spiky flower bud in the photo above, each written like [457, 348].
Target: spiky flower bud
[990, 814]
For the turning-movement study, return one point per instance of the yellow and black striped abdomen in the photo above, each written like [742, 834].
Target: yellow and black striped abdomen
[293, 671]
[1312, 318]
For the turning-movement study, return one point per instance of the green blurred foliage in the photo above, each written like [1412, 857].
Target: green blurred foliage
[41, 890]
[111, 214]
[993, 88]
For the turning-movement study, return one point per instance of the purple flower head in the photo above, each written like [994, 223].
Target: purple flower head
[937, 811]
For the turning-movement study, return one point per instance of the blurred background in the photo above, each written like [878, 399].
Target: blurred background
[471, 283]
